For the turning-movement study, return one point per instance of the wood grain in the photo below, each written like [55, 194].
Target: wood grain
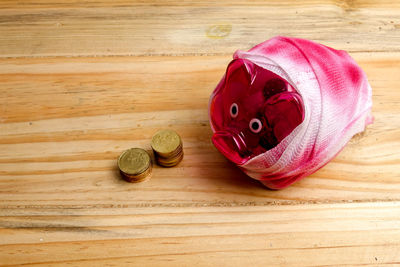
[43, 28]
[81, 81]
[272, 235]
[80, 123]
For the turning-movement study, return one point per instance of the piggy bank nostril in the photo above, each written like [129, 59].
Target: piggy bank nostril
[234, 110]
[255, 125]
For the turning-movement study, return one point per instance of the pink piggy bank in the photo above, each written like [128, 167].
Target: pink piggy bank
[286, 107]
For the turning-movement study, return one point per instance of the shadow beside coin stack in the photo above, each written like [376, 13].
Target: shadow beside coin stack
[135, 164]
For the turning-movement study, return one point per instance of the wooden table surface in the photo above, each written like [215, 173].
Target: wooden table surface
[81, 81]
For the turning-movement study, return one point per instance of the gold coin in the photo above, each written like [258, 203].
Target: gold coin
[169, 162]
[137, 178]
[165, 142]
[134, 161]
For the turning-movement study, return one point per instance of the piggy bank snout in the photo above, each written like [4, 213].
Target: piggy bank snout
[232, 146]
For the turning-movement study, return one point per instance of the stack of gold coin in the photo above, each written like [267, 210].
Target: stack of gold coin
[167, 147]
[135, 165]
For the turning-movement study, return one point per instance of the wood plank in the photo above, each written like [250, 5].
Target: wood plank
[81, 81]
[66, 120]
[70, 87]
[45, 28]
[290, 235]
[22, 4]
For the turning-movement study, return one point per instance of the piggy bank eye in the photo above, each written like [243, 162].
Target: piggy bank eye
[234, 110]
[255, 125]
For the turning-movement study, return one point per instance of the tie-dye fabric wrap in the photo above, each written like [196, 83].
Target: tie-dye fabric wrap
[337, 105]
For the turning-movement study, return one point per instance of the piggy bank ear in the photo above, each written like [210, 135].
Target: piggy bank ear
[240, 72]
[239, 76]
